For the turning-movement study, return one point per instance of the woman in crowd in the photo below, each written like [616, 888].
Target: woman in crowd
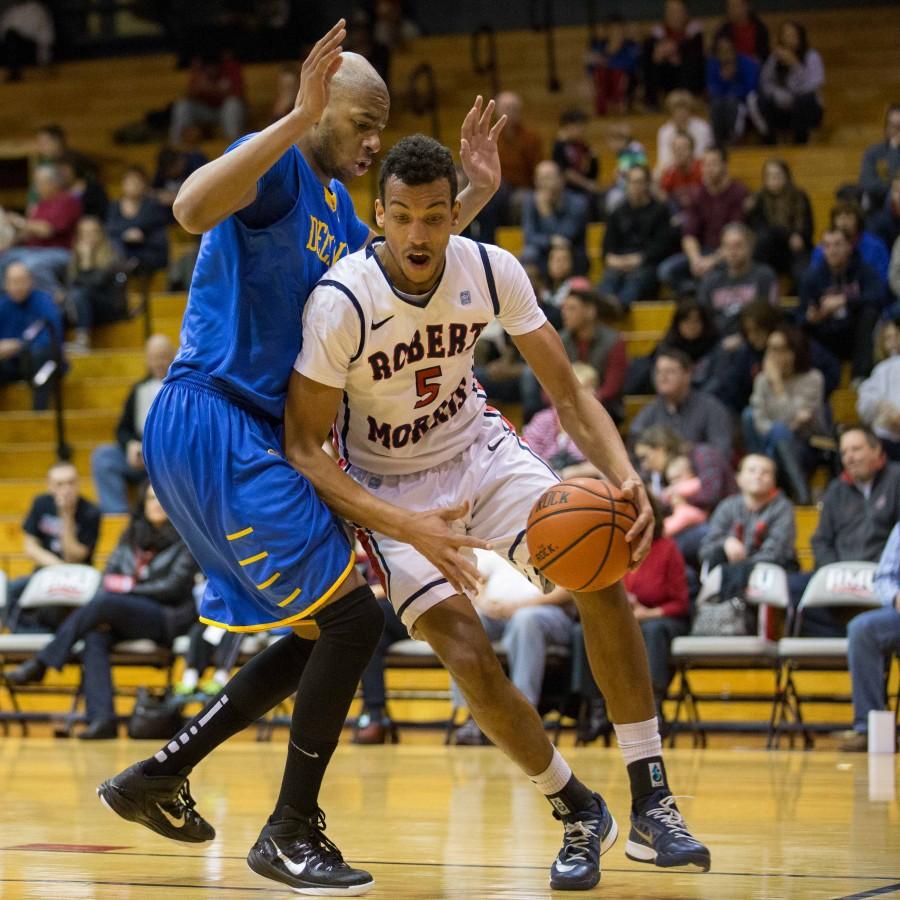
[781, 216]
[790, 85]
[878, 401]
[787, 409]
[145, 593]
[137, 224]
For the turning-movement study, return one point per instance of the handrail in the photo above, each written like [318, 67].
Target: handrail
[540, 16]
[485, 38]
[422, 103]
[51, 372]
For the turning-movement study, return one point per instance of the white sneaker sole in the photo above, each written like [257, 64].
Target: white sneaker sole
[643, 853]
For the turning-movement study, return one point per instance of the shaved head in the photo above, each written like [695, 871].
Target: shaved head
[355, 76]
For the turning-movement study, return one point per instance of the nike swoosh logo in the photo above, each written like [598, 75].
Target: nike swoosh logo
[562, 867]
[175, 822]
[377, 325]
[496, 444]
[305, 752]
[292, 867]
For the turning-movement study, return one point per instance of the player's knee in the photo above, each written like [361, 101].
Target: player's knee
[476, 670]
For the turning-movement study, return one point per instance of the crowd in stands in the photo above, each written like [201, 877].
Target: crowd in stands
[738, 426]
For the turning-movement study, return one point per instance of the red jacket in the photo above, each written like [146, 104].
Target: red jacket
[661, 580]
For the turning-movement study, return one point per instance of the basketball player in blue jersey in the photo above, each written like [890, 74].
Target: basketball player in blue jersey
[388, 352]
[274, 215]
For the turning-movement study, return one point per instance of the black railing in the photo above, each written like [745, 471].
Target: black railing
[50, 376]
[423, 96]
[540, 15]
[483, 46]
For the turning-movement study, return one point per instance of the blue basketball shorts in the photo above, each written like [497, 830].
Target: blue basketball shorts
[271, 549]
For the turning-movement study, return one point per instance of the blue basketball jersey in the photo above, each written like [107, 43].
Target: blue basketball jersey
[253, 275]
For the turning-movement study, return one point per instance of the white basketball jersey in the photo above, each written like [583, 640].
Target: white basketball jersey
[410, 399]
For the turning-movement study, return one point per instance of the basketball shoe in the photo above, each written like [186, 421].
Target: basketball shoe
[162, 803]
[660, 835]
[295, 851]
[587, 836]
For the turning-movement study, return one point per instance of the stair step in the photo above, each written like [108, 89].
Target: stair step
[96, 425]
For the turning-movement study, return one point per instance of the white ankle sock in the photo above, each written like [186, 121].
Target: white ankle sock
[639, 740]
[555, 777]
[221, 676]
[189, 678]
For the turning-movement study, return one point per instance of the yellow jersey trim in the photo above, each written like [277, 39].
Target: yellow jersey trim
[267, 626]
[253, 559]
[291, 597]
[238, 534]
[269, 582]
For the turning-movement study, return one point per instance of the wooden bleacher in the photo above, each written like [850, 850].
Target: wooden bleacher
[862, 78]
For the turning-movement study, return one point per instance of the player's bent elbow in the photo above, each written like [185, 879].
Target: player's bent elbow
[186, 215]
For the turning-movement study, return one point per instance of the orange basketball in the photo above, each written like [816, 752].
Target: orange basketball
[576, 534]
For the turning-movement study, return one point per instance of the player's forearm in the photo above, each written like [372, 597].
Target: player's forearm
[595, 434]
[221, 187]
[471, 203]
[345, 497]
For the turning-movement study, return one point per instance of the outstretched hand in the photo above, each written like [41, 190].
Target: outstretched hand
[478, 146]
[640, 536]
[317, 71]
[432, 535]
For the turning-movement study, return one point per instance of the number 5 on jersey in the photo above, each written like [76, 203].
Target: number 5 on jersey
[426, 387]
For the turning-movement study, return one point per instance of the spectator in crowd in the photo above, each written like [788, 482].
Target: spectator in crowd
[885, 223]
[52, 148]
[546, 436]
[287, 84]
[145, 593]
[656, 447]
[673, 54]
[61, 527]
[871, 250]
[680, 181]
[115, 466]
[894, 275]
[612, 63]
[731, 82]
[881, 161]
[745, 29]
[629, 152]
[840, 301]
[526, 622]
[215, 97]
[753, 526]
[519, 145]
[45, 234]
[137, 225]
[575, 158]
[659, 598]
[787, 409]
[780, 215]
[31, 331]
[27, 36]
[95, 283]
[586, 339]
[560, 269]
[693, 331]
[737, 280]
[637, 238]
[82, 181]
[858, 511]
[878, 399]
[553, 215]
[680, 106]
[692, 414]
[718, 201]
[873, 637]
[790, 86]
[174, 163]
[682, 484]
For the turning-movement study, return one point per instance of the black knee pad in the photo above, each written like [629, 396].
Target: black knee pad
[356, 620]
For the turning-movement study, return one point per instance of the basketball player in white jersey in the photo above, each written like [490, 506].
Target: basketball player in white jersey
[386, 361]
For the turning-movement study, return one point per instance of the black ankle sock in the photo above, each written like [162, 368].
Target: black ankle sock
[574, 797]
[647, 777]
[266, 680]
[349, 632]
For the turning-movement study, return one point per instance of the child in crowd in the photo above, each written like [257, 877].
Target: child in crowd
[683, 484]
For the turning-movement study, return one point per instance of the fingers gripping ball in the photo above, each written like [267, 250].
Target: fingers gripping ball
[576, 534]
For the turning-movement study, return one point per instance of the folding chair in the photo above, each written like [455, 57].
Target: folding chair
[842, 585]
[766, 589]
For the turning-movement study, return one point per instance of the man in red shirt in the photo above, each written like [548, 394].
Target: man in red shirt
[44, 236]
[215, 97]
[520, 146]
[682, 179]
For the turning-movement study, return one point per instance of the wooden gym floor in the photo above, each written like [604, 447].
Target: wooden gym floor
[433, 822]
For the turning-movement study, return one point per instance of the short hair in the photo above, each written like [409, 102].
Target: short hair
[640, 167]
[719, 149]
[417, 160]
[745, 232]
[762, 312]
[768, 459]
[677, 354]
[135, 169]
[573, 116]
[660, 437]
[837, 231]
[893, 108]
[798, 345]
[847, 208]
[872, 439]
[679, 97]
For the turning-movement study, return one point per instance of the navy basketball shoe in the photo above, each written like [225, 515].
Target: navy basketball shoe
[587, 836]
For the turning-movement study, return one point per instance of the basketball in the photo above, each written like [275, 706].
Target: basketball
[576, 534]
